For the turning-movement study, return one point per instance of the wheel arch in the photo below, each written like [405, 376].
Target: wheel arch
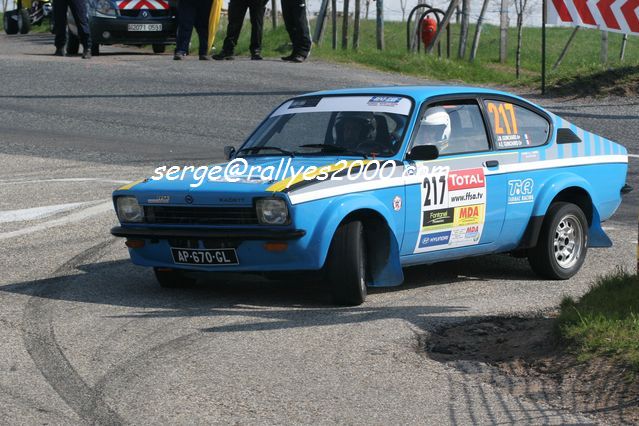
[382, 235]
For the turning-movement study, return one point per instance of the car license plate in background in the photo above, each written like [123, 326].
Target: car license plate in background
[226, 256]
[145, 27]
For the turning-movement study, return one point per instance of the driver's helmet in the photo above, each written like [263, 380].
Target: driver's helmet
[355, 128]
[435, 125]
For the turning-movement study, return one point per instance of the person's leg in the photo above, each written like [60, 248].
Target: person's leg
[236, 14]
[256, 10]
[302, 39]
[186, 16]
[289, 18]
[202, 26]
[80, 15]
[60, 19]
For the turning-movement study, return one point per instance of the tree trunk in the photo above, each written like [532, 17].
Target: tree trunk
[345, 26]
[520, 25]
[480, 22]
[463, 34]
[356, 25]
[503, 31]
[274, 13]
[334, 23]
[380, 24]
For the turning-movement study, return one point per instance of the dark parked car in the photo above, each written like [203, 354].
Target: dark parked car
[131, 22]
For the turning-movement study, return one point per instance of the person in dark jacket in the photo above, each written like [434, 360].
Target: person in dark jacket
[237, 12]
[192, 13]
[296, 22]
[80, 16]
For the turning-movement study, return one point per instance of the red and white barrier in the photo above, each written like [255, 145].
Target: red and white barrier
[620, 16]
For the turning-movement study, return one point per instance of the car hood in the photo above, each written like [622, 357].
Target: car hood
[244, 179]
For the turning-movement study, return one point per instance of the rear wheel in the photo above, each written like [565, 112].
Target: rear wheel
[159, 48]
[346, 264]
[10, 22]
[24, 22]
[172, 278]
[563, 242]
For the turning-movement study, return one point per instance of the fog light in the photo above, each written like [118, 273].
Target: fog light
[275, 246]
[134, 243]
[106, 35]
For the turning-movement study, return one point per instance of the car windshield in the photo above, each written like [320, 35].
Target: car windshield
[366, 126]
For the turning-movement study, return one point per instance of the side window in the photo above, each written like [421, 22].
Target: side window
[514, 126]
[453, 127]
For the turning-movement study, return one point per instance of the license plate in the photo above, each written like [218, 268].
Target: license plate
[226, 256]
[145, 27]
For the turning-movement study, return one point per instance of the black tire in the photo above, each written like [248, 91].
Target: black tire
[172, 278]
[73, 44]
[10, 24]
[95, 49]
[346, 264]
[159, 48]
[24, 22]
[562, 244]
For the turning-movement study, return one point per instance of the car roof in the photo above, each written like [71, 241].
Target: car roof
[419, 93]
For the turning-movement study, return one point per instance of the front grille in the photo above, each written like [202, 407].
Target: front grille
[201, 215]
[135, 13]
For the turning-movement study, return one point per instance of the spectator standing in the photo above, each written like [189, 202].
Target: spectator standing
[192, 13]
[237, 12]
[80, 16]
[296, 22]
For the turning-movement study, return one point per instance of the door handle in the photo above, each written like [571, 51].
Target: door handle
[491, 163]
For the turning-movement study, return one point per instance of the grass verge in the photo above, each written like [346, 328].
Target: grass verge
[579, 73]
[605, 321]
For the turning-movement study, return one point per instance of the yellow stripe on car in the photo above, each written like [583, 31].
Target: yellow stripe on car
[288, 182]
[130, 185]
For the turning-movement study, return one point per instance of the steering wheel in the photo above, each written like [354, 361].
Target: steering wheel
[370, 146]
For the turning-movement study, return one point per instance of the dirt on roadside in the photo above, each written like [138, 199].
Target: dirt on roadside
[524, 356]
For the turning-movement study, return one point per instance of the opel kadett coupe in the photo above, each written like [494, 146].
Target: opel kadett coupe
[358, 183]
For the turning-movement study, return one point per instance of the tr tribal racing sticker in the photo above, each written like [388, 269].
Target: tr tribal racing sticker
[453, 209]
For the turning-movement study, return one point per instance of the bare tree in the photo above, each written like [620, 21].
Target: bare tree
[402, 5]
[463, 34]
[503, 30]
[521, 6]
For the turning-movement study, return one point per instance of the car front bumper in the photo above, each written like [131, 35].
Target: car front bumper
[249, 244]
[117, 30]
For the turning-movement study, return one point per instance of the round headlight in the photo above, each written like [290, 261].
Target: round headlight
[272, 211]
[129, 210]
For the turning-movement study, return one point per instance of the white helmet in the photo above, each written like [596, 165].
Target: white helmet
[437, 121]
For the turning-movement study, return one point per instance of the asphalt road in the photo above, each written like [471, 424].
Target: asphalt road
[89, 338]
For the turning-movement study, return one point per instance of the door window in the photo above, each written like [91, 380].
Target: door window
[514, 126]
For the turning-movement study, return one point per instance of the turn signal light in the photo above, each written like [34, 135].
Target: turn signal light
[275, 246]
[134, 243]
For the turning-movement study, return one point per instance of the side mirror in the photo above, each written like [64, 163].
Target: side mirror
[423, 153]
[229, 151]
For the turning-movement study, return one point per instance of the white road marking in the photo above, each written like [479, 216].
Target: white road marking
[15, 182]
[73, 217]
[633, 155]
[36, 212]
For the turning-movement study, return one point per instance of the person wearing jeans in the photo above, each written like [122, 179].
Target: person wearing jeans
[237, 12]
[192, 13]
[80, 16]
[296, 22]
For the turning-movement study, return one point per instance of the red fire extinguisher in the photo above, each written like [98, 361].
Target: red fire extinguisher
[429, 29]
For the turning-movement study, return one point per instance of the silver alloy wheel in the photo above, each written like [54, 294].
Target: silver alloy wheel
[568, 241]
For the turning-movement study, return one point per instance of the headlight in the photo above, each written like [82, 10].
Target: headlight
[105, 8]
[272, 211]
[129, 210]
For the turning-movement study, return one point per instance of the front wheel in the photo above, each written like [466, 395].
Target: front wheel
[346, 264]
[159, 48]
[10, 21]
[172, 278]
[563, 242]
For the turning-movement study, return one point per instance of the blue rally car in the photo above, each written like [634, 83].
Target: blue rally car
[358, 183]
